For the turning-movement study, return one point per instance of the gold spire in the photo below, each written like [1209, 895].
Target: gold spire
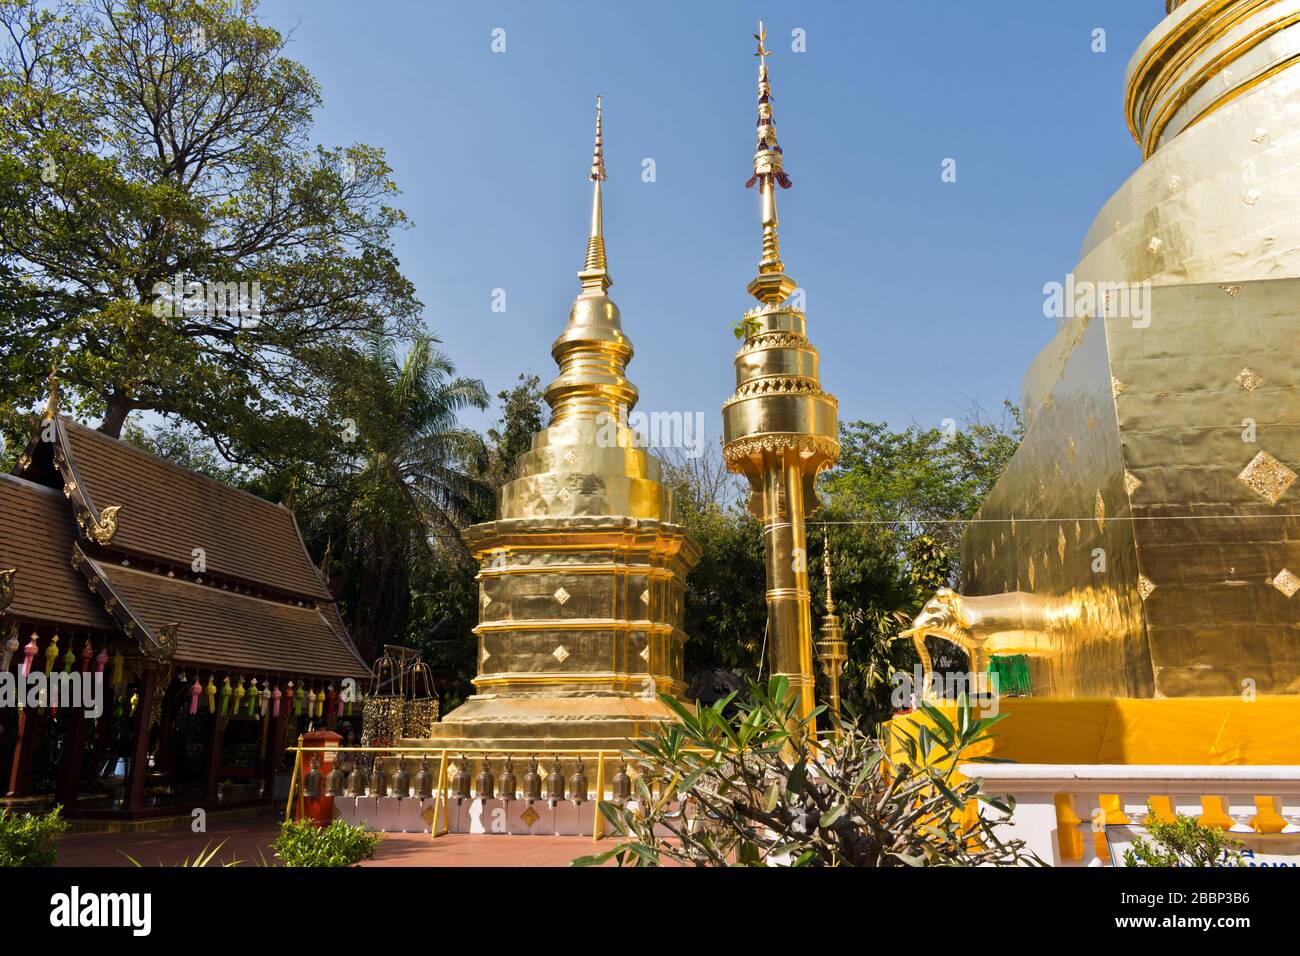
[826, 568]
[771, 285]
[594, 275]
[832, 649]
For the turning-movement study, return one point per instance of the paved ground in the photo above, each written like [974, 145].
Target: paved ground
[244, 839]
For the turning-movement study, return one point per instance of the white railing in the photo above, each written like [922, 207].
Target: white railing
[1063, 810]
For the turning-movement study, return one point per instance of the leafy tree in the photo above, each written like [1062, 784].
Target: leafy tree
[154, 156]
[758, 788]
[522, 417]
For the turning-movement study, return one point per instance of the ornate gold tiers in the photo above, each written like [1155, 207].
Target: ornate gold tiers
[1206, 54]
[582, 578]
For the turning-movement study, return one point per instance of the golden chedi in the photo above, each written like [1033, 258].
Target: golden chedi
[1145, 539]
[780, 427]
[583, 574]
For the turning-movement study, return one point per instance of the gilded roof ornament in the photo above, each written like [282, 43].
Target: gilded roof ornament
[771, 285]
[595, 272]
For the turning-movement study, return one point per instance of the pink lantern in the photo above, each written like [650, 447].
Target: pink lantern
[196, 691]
[275, 701]
[29, 652]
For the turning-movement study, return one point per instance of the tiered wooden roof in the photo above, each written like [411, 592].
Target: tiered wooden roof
[196, 571]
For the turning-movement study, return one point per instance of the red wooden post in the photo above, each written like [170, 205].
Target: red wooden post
[133, 798]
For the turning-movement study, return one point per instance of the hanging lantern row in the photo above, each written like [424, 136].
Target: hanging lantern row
[71, 661]
[299, 698]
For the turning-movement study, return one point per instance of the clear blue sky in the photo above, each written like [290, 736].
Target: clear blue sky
[922, 296]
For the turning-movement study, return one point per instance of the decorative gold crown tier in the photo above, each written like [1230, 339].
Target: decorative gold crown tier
[582, 578]
[1204, 55]
[779, 403]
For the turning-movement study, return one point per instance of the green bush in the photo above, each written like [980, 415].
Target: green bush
[1182, 842]
[302, 843]
[31, 839]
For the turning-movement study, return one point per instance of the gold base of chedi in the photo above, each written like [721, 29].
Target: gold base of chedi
[582, 578]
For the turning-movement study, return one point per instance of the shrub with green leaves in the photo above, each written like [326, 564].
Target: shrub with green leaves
[1182, 842]
[761, 787]
[302, 843]
[31, 839]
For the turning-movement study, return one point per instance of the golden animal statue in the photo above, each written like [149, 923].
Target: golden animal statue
[1016, 622]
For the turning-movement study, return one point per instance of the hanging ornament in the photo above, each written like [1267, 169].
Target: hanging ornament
[266, 697]
[311, 703]
[29, 652]
[69, 659]
[329, 701]
[135, 701]
[87, 655]
[196, 691]
[11, 646]
[211, 691]
[252, 696]
[101, 659]
[275, 701]
[239, 695]
[225, 695]
[118, 677]
[51, 653]
[298, 698]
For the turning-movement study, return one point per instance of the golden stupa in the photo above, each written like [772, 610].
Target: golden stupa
[780, 428]
[1145, 539]
[582, 576]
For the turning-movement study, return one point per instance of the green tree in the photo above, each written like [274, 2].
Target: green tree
[522, 417]
[169, 237]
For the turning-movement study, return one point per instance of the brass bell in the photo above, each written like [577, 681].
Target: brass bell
[357, 780]
[532, 781]
[378, 781]
[401, 779]
[423, 780]
[334, 780]
[555, 783]
[483, 785]
[460, 782]
[509, 786]
[578, 783]
[311, 784]
[622, 784]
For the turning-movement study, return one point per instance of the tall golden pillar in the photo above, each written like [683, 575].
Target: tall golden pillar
[780, 428]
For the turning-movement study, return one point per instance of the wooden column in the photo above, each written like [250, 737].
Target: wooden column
[274, 752]
[133, 798]
[212, 777]
[72, 757]
[26, 739]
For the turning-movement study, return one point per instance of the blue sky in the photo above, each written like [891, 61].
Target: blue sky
[923, 296]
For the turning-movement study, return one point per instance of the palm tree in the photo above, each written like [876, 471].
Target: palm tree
[415, 487]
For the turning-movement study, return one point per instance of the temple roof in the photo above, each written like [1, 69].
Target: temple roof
[167, 512]
[36, 534]
[232, 631]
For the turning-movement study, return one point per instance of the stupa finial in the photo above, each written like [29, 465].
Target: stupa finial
[771, 285]
[595, 273]
[51, 411]
[826, 567]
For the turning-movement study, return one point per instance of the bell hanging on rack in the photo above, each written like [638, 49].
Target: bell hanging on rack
[509, 786]
[401, 779]
[622, 784]
[378, 782]
[483, 784]
[334, 780]
[532, 781]
[311, 783]
[423, 780]
[357, 780]
[460, 782]
[578, 783]
[555, 783]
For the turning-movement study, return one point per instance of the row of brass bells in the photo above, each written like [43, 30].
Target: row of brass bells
[555, 783]
[483, 784]
[378, 780]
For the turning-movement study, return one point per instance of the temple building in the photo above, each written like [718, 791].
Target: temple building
[1144, 541]
[216, 637]
[582, 578]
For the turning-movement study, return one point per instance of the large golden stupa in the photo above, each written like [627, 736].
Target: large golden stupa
[1145, 539]
[583, 574]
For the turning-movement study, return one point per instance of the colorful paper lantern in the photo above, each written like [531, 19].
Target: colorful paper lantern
[196, 691]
